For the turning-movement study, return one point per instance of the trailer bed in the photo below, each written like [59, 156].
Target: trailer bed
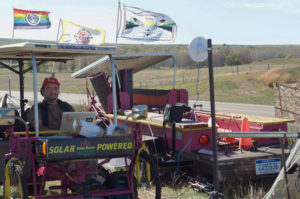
[237, 164]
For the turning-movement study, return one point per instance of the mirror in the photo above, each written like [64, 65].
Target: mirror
[139, 111]
[7, 116]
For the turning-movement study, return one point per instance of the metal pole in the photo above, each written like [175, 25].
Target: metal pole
[21, 79]
[113, 77]
[117, 29]
[13, 33]
[174, 75]
[213, 117]
[10, 63]
[53, 62]
[260, 135]
[58, 30]
[9, 80]
[284, 167]
[36, 113]
[52, 71]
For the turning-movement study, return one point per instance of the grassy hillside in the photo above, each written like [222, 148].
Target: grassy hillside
[251, 83]
[221, 54]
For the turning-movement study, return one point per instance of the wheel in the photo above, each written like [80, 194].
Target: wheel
[14, 181]
[143, 190]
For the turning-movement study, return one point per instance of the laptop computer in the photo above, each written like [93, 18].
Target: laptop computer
[69, 117]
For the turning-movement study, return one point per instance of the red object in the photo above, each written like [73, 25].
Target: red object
[245, 143]
[229, 140]
[50, 80]
[204, 140]
[19, 11]
[125, 102]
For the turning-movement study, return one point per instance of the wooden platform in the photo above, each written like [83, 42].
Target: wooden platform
[255, 119]
[156, 119]
[235, 165]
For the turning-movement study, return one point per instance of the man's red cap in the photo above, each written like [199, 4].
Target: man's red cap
[50, 80]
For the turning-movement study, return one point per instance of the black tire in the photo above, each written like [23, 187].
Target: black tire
[155, 179]
[16, 180]
[118, 180]
[30, 189]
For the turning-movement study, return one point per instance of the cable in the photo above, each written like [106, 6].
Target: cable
[148, 122]
[191, 135]
[197, 90]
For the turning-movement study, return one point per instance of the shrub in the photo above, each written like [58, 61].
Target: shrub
[272, 76]
[290, 56]
[232, 59]
[281, 55]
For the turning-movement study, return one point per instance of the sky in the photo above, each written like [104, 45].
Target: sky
[247, 22]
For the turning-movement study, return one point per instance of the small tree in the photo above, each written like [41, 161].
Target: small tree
[232, 59]
[281, 55]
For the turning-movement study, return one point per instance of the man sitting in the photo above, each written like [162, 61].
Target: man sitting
[51, 108]
[50, 114]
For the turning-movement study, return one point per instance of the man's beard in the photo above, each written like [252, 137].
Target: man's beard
[52, 100]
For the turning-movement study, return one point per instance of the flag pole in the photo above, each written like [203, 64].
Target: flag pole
[53, 62]
[13, 33]
[117, 31]
[10, 62]
[58, 30]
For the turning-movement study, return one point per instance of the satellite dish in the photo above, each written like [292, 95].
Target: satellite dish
[198, 49]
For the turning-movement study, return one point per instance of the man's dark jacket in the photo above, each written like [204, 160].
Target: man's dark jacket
[43, 107]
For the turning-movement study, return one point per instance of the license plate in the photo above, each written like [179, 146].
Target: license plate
[266, 166]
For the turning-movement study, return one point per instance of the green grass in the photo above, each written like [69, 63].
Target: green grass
[167, 192]
[182, 193]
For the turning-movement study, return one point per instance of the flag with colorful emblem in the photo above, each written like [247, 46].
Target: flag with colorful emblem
[76, 34]
[31, 19]
[140, 24]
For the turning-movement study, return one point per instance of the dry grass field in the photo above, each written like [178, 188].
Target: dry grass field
[251, 83]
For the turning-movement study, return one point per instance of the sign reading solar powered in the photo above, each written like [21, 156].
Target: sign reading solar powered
[83, 148]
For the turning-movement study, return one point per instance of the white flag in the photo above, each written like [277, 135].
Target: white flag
[145, 25]
[76, 34]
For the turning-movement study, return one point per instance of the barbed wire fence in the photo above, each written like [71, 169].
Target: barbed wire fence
[186, 76]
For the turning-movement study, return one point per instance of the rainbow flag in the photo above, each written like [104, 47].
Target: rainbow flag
[31, 19]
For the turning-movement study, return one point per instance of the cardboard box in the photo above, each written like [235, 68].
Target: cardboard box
[87, 129]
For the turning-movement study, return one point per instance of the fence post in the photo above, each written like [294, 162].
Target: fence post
[268, 66]
[237, 69]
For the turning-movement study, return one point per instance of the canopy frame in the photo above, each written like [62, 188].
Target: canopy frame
[39, 53]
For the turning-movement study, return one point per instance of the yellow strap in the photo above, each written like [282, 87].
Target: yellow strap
[7, 179]
[43, 132]
[137, 165]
